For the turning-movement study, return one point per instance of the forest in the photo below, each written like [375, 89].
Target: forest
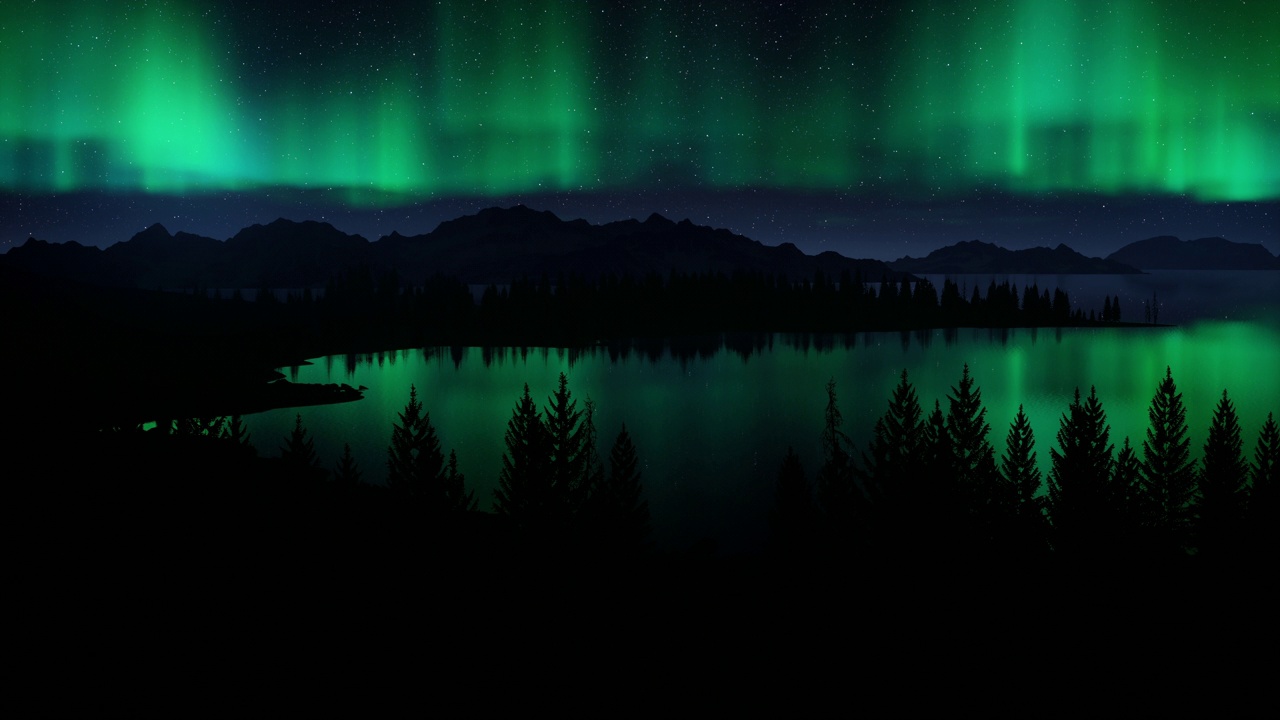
[931, 488]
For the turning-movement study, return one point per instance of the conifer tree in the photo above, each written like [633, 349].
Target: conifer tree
[564, 433]
[937, 447]
[1168, 475]
[402, 453]
[1021, 475]
[346, 472]
[1220, 508]
[454, 487]
[895, 456]
[972, 457]
[1264, 496]
[1126, 485]
[299, 451]
[416, 466]
[234, 431]
[622, 503]
[1080, 502]
[524, 488]
[836, 486]
[841, 503]
[1018, 464]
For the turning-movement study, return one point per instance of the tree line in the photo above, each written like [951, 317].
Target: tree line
[554, 484]
[358, 311]
[930, 486]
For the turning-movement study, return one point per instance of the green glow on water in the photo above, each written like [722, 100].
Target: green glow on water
[711, 432]
[476, 98]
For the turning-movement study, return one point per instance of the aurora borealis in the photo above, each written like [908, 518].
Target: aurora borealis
[367, 108]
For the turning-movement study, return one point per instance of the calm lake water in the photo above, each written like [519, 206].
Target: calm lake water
[712, 431]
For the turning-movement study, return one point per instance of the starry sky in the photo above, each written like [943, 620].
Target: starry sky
[876, 129]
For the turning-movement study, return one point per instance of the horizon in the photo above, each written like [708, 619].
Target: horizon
[174, 230]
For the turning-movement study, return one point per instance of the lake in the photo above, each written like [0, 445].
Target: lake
[711, 431]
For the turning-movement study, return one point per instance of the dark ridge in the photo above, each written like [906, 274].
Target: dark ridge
[495, 245]
[975, 256]
[1214, 253]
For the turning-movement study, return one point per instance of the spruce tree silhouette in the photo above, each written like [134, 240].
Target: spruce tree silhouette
[1168, 475]
[1264, 496]
[895, 456]
[937, 445]
[1130, 502]
[403, 467]
[1081, 504]
[592, 466]
[346, 472]
[565, 463]
[299, 452]
[622, 502]
[894, 465]
[416, 466]
[1021, 473]
[524, 490]
[841, 501]
[234, 431]
[1220, 509]
[985, 497]
[453, 485]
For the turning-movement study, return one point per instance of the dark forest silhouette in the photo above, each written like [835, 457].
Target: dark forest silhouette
[930, 490]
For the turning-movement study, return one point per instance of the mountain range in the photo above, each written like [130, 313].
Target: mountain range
[1213, 253]
[493, 246]
[975, 256]
[499, 245]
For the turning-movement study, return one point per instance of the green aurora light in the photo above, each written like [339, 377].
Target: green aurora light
[1026, 96]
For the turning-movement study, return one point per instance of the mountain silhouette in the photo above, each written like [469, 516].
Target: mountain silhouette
[975, 256]
[1213, 253]
[495, 245]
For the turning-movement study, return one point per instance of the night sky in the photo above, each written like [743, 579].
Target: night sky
[875, 129]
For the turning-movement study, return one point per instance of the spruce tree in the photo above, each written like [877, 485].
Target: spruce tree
[234, 431]
[1264, 496]
[1266, 456]
[524, 488]
[1220, 508]
[1028, 528]
[841, 503]
[1168, 475]
[1080, 503]
[1126, 486]
[453, 486]
[299, 451]
[346, 472]
[937, 447]
[623, 506]
[402, 453]
[837, 489]
[564, 433]
[1018, 464]
[972, 457]
[416, 465]
[895, 456]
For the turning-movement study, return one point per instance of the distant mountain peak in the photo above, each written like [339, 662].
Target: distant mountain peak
[975, 256]
[154, 233]
[1167, 252]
